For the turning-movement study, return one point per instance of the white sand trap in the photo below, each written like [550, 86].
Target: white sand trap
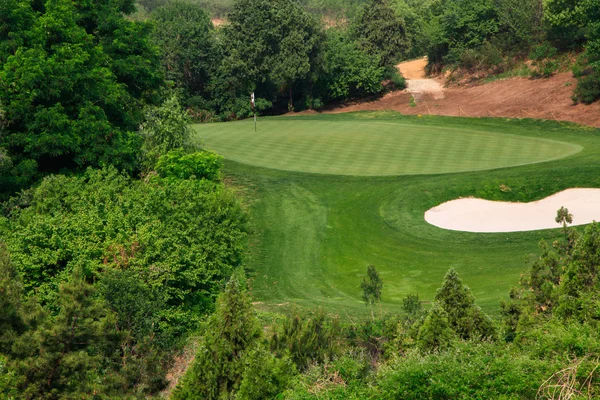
[478, 215]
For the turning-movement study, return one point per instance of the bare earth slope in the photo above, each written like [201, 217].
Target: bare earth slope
[514, 98]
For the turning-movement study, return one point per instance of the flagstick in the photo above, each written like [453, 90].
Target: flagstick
[254, 121]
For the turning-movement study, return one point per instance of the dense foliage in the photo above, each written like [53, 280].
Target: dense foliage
[73, 76]
[450, 351]
[131, 266]
[117, 236]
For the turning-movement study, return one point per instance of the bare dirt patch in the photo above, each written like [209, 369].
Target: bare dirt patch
[548, 98]
[413, 69]
[478, 215]
[219, 22]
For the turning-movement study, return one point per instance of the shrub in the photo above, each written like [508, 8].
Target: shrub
[588, 88]
[543, 57]
[176, 164]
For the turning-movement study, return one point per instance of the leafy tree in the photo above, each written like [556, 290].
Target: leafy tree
[190, 53]
[16, 18]
[270, 47]
[520, 23]
[566, 20]
[11, 291]
[380, 32]
[587, 69]
[564, 217]
[166, 128]
[460, 25]
[347, 70]
[465, 318]
[71, 86]
[371, 286]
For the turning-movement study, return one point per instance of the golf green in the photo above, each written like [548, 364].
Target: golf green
[370, 148]
[314, 234]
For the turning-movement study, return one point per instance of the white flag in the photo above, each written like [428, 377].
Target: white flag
[252, 100]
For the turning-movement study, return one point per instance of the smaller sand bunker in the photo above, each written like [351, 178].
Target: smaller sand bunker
[478, 215]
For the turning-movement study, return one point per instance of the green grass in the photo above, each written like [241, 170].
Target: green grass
[314, 234]
[374, 147]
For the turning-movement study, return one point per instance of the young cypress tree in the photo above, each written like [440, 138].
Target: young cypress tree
[465, 318]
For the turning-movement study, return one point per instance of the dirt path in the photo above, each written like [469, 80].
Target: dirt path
[513, 98]
[417, 83]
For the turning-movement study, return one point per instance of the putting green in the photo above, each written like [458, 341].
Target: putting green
[364, 147]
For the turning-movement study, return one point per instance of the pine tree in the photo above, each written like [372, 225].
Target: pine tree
[62, 356]
[371, 286]
[465, 318]
[435, 333]
[232, 330]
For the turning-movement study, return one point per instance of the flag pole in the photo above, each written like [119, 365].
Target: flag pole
[253, 109]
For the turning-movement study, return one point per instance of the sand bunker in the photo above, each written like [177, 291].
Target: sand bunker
[477, 215]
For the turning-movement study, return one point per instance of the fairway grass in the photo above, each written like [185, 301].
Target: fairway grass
[374, 147]
[313, 235]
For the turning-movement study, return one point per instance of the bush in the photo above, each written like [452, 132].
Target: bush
[544, 61]
[184, 236]
[398, 80]
[176, 164]
[588, 88]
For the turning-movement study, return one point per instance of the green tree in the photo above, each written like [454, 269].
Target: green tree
[11, 292]
[230, 357]
[380, 32]
[435, 333]
[564, 217]
[371, 286]
[465, 318]
[190, 53]
[71, 86]
[271, 47]
[59, 358]
[184, 236]
[166, 128]
[347, 70]
[306, 340]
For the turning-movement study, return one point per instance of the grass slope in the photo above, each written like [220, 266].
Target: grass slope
[315, 234]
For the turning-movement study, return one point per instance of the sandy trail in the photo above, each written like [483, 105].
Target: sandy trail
[417, 83]
[478, 215]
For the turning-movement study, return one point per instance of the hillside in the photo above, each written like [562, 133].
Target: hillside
[548, 98]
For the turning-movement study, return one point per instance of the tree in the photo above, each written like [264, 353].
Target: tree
[347, 70]
[166, 128]
[72, 84]
[305, 340]
[564, 217]
[188, 43]
[184, 236]
[230, 357]
[371, 286]
[271, 47]
[60, 357]
[465, 318]
[380, 32]
[11, 292]
[436, 332]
